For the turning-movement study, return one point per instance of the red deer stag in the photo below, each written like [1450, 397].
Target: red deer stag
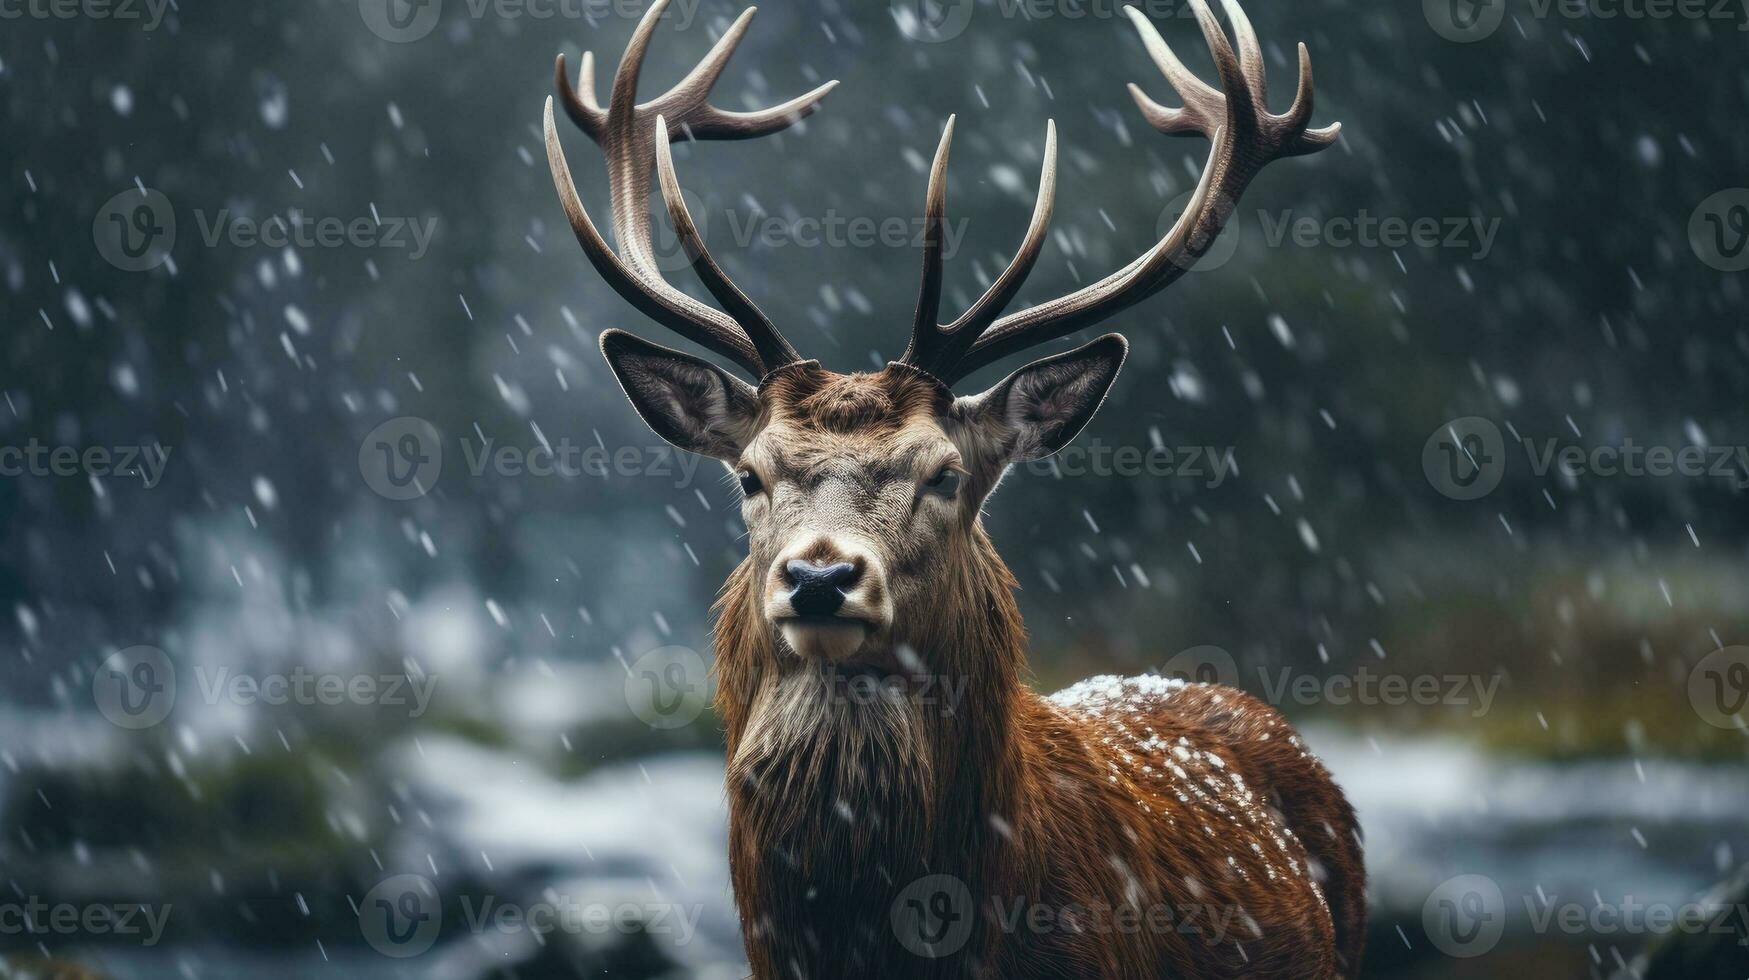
[1126, 828]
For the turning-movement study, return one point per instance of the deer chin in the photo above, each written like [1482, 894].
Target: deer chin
[827, 639]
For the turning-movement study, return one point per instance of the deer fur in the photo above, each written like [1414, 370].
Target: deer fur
[1109, 797]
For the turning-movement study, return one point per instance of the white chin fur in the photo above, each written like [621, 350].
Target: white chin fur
[831, 642]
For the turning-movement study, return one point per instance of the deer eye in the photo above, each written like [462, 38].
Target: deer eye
[750, 484]
[945, 483]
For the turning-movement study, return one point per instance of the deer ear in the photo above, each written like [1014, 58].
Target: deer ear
[1040, 408]
[694, 405]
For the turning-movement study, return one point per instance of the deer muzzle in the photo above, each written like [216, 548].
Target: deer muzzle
[828, 597]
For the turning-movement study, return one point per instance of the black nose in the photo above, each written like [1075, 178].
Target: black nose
[819, 589]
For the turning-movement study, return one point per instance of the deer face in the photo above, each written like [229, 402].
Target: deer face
[861, 492]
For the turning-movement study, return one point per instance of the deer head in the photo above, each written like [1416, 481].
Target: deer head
[862, 491]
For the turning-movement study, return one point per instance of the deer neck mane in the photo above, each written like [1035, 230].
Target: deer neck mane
[843, 788]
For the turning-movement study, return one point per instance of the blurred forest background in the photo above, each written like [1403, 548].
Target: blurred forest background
[1576, 301]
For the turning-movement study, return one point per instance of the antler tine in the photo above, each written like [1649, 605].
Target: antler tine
[1300, 113]
[771, 346]
[704, 75]
[935, 347]
[580, 102]
[1001, 292]
[670, 307]
[1235, 90]
[1250, 51]
[925, 334]
[1245, 137]
[634, 140]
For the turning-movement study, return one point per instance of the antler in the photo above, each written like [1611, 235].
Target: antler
[1246, 137]
[634, 139]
